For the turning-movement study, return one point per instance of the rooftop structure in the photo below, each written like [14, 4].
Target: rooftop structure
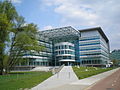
[58, 34]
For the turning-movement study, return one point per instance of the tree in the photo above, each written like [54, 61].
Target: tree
[6, 19]
[16, 36]
[115, 54]
[115, 57]
[22, 42]
[4, 27]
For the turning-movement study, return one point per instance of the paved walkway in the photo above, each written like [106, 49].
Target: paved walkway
[65, 76]
[111, 82]
[83, 84]
[67, 80]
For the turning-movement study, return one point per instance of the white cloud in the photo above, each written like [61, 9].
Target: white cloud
[104, 13]
[47, 27]
[16, 1]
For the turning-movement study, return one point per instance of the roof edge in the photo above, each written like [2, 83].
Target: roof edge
[99, 30]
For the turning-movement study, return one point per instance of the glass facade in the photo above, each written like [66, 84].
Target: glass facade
[71, 47]
[94, 49]
[64, 52]
[90, 50]
[42, 58]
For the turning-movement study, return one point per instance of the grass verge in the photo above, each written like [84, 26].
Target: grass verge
[84, 72]
[22, 80]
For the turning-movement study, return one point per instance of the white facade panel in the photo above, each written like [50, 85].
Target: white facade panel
[89, 33]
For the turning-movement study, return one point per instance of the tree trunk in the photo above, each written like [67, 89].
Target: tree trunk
[4, 71]
[1, 71]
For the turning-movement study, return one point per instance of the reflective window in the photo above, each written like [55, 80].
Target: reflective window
[59, 47]
[65, 52]
[68, 52]
[62, 46]
[56, 53]
[65, 46]
[69, 57]
[62, 52]
[70, 47]
[59, 52]
[64, 57]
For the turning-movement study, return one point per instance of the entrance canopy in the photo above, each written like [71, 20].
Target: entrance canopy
[64, 33]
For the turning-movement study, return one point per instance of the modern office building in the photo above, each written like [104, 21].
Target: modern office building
[69, 46]
[94, 47]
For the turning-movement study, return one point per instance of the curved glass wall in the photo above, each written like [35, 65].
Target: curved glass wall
[65, 52]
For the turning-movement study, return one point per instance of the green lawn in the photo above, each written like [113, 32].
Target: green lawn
[17, 80]
[84, 72]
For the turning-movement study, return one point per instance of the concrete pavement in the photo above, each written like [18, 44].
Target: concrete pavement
[83, 84]
[65, 76]
[67, 80]
[111, 82]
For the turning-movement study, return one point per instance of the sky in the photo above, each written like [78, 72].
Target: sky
[81, 14]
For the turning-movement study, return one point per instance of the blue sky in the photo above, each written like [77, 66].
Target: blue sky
[34, 11]
[80, 14]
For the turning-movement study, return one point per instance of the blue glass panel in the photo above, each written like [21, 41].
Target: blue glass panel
[89, 44]
[89, 39]
[89, 49]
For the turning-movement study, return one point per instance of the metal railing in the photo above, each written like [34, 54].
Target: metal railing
[56, 70]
